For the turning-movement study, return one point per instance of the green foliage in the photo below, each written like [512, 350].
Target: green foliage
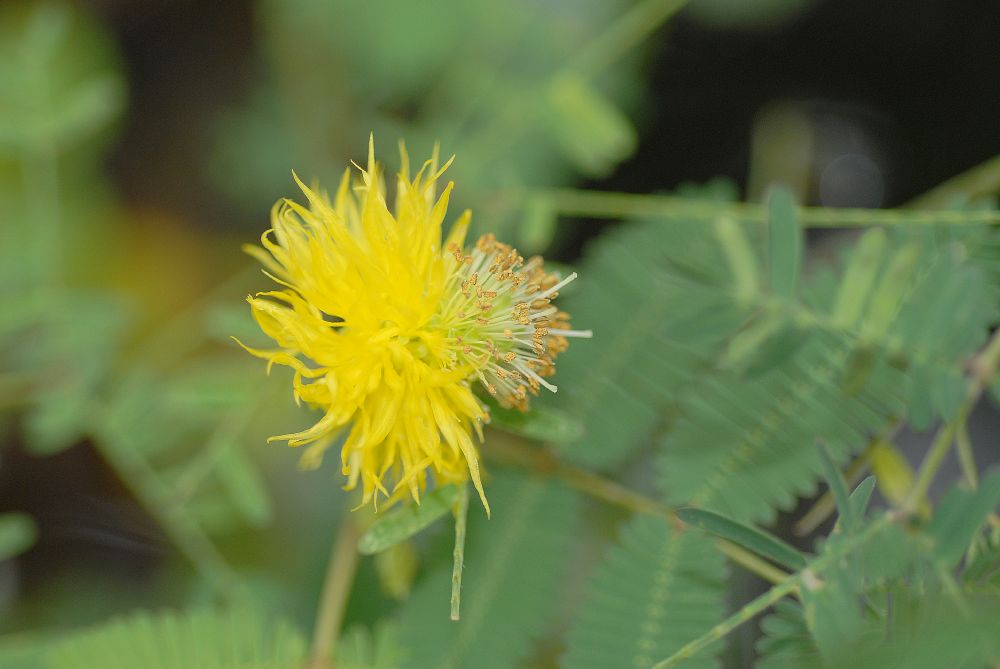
[654, 590]
[513, 566]
[361, 649]
[959, 517]
[205, 639]
[762, 431]
[58, 77]
[722, 355]
[17, 534]
[401, 523]
[784, 237]
[542, 423]
[513, 106]
[635, 293]
[762, 543]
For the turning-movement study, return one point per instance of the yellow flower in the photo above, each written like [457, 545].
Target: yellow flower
[385, 327]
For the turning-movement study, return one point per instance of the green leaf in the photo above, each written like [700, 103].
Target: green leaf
[787, 643]
[784, 243]
[24, 651]
[205, 639]
[838, 487]
[776, 349]
[18, 533]
[832, 612]
[765, 326]
[542, 423]
[654, 591]
[889, 293]
[761, 430]
[403, 522]
[593, 133]
[859, 276]
[244, 485]
[663, 331]
[861, 496]
[538, 224]
[513, 573]
[67, 79]
[361, 649]
[740, 257]
[749, 537]
[859, 369]
[959, 517]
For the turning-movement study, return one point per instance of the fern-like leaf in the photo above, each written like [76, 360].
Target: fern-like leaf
[656, 590]
[746, 447]
[202, 640]
[660, 330]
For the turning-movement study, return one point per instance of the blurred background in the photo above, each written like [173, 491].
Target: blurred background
[141, 143]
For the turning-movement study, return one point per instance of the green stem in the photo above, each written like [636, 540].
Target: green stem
[983, 179]
[932, 462]
[184, 532]
[337, 584]
[762, 603]
[596, 204]
[545, 463]
[982, 369]
[461, 512]
[751, 562]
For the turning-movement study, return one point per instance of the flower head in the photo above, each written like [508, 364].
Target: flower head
[387, 327]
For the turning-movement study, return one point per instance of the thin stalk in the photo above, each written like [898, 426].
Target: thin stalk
[545, 463]
[760, 604]
[751, 562]
[337, 584]
[598, 204]
[932, 462]
[982, 368]
[461, 514]
[983, 179]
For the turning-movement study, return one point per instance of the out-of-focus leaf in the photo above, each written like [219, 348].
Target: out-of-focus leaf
[838, 487]
[885, 300]
[784, 243]
[960, 515]
[593, 133]
[538, 225]
[859, 276]
[539, 422]
[244, 486]
[205, 639]
[403, 522]
[861, 496]
[751, 538]
[362, 649]
[59, 82]
[740, 256]
[396, 567]
[17, 534]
